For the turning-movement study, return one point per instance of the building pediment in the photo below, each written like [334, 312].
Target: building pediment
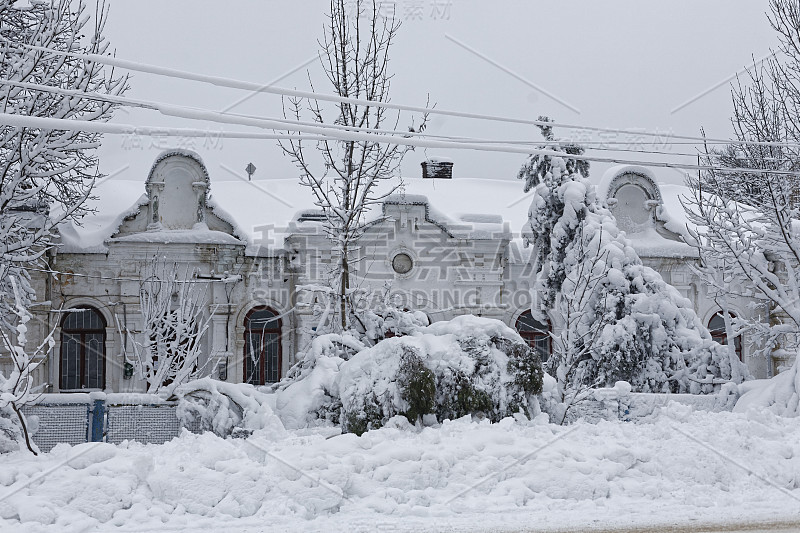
[175, 208]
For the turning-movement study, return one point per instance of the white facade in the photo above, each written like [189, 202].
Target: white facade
[254, 244]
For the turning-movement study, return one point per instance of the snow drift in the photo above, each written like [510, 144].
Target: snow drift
[779, 394]
[461, 476]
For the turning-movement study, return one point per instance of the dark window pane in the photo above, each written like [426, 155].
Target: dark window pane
[82, 350]
[252, 360]
[83, 319]
[526, 322]
[716, 326]
[272, 355]
[535, 334]
[262, 347]
[262, 319]
[542, 346]
[70, 354]
[94, 360]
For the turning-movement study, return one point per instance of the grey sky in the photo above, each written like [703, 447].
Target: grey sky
[621, 64]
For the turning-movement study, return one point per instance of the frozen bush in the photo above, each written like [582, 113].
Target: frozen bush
[468, 365]
[10, 434]
[226, 409]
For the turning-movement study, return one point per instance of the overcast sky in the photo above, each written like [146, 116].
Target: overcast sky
[610, 64]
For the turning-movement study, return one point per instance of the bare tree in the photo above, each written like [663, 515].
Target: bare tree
[173, 326]
[348, 178]
[747, 224]
[765, 110]
[47, 175]
[16, 390]
[755, 247]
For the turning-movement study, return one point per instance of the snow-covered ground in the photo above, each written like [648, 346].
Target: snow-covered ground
[675, 467]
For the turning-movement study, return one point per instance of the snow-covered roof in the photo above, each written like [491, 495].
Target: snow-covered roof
[268, 208]
[270, 205]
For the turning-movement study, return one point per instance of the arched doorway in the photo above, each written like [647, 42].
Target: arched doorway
[83, 350]
[262, 346]
[716, 326]
[536, 334]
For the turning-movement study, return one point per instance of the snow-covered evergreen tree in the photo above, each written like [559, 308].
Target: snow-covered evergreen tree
[621, 320]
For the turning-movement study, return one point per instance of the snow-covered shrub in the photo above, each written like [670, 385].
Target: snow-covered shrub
[468, 365]
[388, 380]
[10, 433]
[309, 393]
[371, 385]
[495, 376]
[387, 320]
[226, 409]
[417, 386]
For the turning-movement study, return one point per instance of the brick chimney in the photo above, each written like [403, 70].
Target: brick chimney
[437, 168]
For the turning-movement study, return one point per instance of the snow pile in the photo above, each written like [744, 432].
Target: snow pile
[468, 365]
[226, 409]
[460, 476]
[779, 394]
[619, 403]
[309, 394]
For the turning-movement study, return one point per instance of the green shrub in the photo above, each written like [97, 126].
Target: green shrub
[476, 371]
[417, 386]
[369, 416]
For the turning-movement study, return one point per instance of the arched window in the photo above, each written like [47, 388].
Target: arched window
[262, 347]
[83, 350]
[536, 334]
[716, 326]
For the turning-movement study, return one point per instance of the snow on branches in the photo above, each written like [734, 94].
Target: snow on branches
[16, 389]
[351, 176]
[46, 175]
[620, 320]
[747, 227]
[172, 303]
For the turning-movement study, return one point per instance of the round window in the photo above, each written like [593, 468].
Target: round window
[402, 263]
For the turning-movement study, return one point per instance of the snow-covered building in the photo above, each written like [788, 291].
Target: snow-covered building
[444, 246]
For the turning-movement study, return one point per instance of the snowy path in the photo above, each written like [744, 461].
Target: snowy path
[682, 468]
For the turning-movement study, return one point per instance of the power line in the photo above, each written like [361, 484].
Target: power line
[323, 133]
[260, 88]
[192, 113]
